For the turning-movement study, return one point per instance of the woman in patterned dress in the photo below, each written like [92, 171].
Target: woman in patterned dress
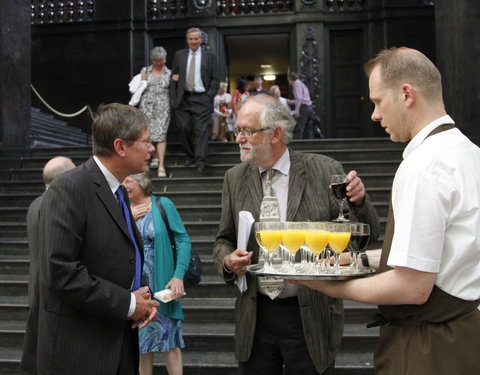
[155, 103]
[165, 334]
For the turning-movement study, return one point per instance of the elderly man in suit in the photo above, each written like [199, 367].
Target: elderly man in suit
[193, 87]
[298, 332]
[90, 299]
[52, 169]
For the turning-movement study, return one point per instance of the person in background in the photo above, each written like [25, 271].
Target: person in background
[52, 169]
[239, 96]
[164, 334]
[303, 112]
[428, 281]
[155, 103]
[92, 297]
[258, 89]
[222, 112]
[299, 332]
[192, 90]
[276, 93]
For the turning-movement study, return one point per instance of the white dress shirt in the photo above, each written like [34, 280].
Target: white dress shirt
[436, 203]
[199, 87]
[114, 184]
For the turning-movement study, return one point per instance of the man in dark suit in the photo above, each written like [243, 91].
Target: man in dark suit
[194, 85]
[90, 252]
[299, 332]
[52, 169]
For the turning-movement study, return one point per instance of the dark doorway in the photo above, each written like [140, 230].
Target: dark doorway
[264, 54]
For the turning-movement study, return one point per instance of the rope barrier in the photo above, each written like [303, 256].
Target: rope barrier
[59, 113]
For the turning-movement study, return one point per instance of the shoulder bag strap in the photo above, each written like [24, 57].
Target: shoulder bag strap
[171, 236]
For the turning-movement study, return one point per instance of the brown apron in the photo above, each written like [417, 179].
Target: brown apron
[440, 337]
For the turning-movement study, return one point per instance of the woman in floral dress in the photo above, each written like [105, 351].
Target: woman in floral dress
[155, 103]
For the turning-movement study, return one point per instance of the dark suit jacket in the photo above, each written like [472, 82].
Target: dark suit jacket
[309, 198]
[208, 70]
[33, 233]
[87, 264]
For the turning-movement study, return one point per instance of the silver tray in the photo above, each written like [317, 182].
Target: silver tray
[344, 274]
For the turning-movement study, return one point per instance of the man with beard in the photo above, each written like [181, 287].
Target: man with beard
[298, 332]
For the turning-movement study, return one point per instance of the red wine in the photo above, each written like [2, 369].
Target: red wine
[340, 190]
[361, 240]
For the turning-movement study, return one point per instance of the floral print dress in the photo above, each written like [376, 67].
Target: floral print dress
[155, 103]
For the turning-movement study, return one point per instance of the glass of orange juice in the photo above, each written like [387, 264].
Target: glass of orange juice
[269, 237]
[293, 237]
[316, 239]
[338, 239]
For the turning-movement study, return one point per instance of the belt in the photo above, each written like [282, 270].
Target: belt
[286, 300]
[193, 92]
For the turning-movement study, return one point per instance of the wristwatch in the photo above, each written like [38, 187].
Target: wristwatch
[364, 258]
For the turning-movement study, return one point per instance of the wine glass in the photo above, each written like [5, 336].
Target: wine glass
[316, 239]
[339, 189]
[338, 239]
[293, 237]
[360, 237]
[269, 237]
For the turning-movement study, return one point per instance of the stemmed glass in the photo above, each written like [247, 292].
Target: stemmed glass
[339, 189]
[338, 239]
[360, 237]
[293, 237]
[316, 239]
[269, 237]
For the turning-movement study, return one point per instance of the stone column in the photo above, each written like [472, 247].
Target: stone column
[458, 57]
[15, 73]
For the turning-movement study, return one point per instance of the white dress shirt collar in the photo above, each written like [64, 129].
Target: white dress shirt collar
[282, 165]
[111, 179]
[422, 134]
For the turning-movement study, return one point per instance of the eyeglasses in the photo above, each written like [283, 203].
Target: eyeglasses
[247, 132]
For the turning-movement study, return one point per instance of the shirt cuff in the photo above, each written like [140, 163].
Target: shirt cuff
[133, 303]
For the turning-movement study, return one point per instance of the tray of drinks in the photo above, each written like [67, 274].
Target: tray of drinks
[299, 273]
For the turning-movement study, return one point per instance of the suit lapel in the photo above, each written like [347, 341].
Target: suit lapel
[296, 185]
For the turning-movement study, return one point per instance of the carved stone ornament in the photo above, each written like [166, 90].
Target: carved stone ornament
[309, 66]
[201, 6]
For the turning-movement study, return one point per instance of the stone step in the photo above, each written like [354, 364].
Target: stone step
[210, 363]
[217, 337]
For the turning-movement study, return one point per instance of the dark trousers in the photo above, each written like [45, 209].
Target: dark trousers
[194, 116]
[279, 345]
[304, 129]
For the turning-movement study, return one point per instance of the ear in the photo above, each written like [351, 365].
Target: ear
[119, 147]
[408, 94]
[277, 134]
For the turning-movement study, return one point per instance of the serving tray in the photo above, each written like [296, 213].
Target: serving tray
[345, 273]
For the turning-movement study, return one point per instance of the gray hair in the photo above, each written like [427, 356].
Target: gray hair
[195, 30]
[144, 181]
[275, 114]
[158, 53]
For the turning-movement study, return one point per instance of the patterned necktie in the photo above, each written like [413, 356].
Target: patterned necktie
[191, 73]
[120, 193]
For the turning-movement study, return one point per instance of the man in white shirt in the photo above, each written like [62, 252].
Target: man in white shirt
[429, 282]
[192, 90]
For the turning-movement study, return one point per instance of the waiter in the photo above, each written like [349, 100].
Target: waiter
[428, 288]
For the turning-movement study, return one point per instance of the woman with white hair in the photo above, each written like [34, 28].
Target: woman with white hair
[155, 103]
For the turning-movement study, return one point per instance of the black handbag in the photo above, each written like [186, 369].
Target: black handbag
[194, 272]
